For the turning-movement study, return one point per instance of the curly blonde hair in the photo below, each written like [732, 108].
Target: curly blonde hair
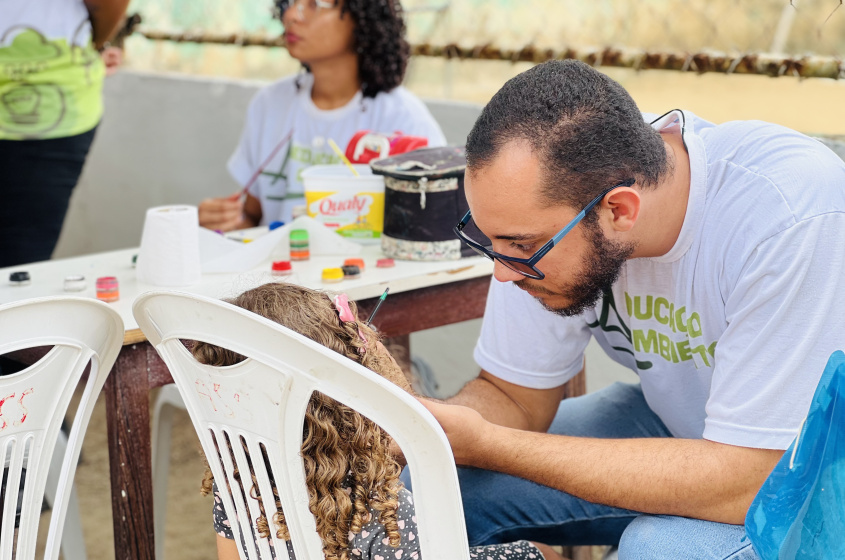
[349, 469]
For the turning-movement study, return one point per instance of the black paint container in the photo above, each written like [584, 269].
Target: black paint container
[423, 200]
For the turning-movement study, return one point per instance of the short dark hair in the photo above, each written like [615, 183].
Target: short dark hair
[380, 42]
[586, 129]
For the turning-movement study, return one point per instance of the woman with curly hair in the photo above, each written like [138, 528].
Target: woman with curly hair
[354, 55]
[360, 506]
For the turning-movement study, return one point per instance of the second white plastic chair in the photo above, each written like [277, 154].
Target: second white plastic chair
[34, 402]
[260, 403]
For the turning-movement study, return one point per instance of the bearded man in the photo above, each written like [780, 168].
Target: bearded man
[706, 258]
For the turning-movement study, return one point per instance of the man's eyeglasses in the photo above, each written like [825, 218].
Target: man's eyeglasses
[528, 267]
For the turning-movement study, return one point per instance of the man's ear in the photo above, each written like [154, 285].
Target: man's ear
[624, 205]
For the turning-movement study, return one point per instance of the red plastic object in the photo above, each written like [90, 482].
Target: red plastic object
[281, 268]
[385, 263]
[367, 145]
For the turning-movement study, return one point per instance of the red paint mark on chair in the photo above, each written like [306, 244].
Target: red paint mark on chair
[205, 393]
[26, 393]
[4, 424]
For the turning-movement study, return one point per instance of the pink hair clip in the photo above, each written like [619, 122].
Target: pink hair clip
[341, 303]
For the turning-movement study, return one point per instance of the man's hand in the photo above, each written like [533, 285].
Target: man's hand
[465, 428]
[224, 214]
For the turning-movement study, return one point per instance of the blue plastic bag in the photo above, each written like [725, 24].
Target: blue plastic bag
[799, 513]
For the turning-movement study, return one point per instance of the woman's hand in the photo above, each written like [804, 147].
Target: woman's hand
[112, 58]
[224, 214]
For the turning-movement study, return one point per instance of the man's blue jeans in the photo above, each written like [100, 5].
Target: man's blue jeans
[501, 508]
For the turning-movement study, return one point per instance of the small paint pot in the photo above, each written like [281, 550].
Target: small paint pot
[107, 289]
[19, 278]
[385, 263]
[276, 225]
[281, 268]
[75, 283]
[355, 262]
[351, 272]
[299, 248]
[332, 275]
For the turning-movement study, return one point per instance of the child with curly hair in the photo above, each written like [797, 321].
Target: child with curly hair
[360, 506]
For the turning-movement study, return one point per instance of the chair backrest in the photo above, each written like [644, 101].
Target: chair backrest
[260, 404]
[34, 401]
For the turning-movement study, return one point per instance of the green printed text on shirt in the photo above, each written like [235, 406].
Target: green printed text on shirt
[675, 319]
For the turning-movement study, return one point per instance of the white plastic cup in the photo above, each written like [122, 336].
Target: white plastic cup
[352, 206]
[170, 254]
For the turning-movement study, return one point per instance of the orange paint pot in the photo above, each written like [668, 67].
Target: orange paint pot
[107, 289]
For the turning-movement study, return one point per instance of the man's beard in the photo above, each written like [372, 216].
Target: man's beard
[601, 269]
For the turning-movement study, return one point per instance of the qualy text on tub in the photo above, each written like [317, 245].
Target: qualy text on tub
[337, 204]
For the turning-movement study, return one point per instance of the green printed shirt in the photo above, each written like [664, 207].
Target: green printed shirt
[51, 77]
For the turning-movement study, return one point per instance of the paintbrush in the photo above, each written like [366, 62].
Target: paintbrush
[378, 305]
[265, 163]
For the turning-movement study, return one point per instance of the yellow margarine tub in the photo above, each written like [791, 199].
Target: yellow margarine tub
[352, 206]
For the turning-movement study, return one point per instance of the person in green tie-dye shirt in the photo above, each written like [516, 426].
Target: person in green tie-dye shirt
[51, 79]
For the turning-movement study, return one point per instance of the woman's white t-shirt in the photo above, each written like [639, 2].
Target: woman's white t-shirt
[729, 332]
[285, 106]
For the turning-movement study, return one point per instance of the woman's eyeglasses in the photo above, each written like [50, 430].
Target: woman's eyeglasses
[528, 267]
[306, 9]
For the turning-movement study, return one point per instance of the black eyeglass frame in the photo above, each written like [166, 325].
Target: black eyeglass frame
[541, 252]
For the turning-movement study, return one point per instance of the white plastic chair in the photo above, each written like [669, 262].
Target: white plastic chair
[262, 401]
[34, 402]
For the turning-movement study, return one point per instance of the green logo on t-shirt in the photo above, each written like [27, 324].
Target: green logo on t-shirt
[297, 158]
[656, 341]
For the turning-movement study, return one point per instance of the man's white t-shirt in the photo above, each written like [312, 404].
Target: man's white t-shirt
[282, 107]
[730, 330]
